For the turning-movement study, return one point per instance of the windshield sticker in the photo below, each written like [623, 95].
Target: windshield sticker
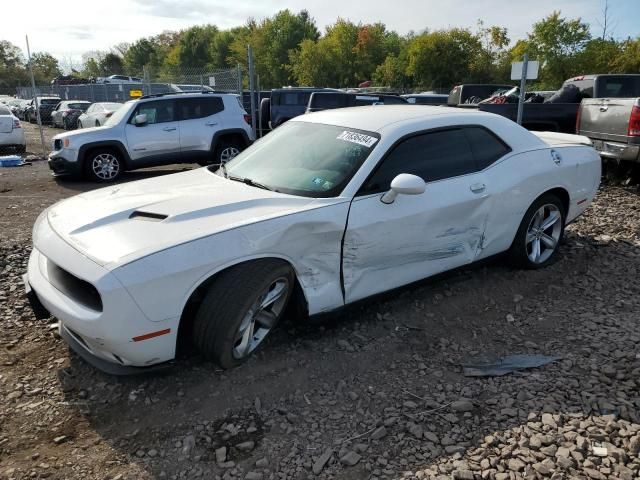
[318, 181]
[359, 138]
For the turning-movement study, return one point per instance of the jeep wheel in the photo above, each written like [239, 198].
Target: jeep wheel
[224, 152]
[103, 166]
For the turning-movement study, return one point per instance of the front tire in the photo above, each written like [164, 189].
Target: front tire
[103, 165]
[241, 308]
[540, 233]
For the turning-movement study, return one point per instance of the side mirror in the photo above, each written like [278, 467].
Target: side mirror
[140, 120]
[404, 184]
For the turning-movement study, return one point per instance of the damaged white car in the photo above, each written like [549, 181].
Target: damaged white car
[328, 209]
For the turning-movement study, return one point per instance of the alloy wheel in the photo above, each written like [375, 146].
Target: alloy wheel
[261, 318]
[105, 166]
[543, 233]
[228, 153]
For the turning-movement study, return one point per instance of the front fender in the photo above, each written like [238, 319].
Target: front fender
[115, 144]
[310, 241]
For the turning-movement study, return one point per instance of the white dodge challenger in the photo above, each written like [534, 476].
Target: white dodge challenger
[328, 209]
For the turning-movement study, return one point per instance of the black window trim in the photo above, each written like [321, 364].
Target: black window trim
[135, 109]
[494, 135]
[361, 193]
[178, 102]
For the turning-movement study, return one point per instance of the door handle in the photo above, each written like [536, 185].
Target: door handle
[169, 129]
[211, 124]
[604, 108]
[477, 187]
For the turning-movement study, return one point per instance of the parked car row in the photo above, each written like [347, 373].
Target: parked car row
[11, 132]
[66, 114]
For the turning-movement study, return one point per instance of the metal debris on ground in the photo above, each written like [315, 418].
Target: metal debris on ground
[506, 365]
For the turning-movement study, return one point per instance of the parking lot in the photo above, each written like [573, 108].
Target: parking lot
[374, 392]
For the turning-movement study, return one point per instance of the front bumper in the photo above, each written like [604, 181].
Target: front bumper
[60, 165]
[110, 335]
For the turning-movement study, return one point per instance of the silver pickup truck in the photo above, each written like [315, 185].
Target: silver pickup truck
[612, 118]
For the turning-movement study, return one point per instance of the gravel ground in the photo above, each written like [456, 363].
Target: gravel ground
[375, 392]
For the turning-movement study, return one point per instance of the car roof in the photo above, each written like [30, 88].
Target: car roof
[378, 116]
[394, 120]
[174, 95]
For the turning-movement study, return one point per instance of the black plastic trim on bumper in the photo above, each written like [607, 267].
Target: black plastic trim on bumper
[62, 166]
[104, 365]
[39, 310]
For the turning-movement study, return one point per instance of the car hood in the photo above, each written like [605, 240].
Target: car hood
[119, 224]
[96, 133]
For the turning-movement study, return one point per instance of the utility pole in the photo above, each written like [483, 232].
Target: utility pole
[252, 90]
[523, 86]
[35, 99]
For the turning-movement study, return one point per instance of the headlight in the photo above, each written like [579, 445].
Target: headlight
[41, 218]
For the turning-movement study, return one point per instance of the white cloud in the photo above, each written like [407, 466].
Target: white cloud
[82, 25]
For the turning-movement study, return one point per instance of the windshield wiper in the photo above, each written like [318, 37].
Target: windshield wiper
[250, 182]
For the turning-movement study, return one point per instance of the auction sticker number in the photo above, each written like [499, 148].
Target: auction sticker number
[359, 138]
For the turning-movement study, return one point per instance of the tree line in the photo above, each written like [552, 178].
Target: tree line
[289, 49]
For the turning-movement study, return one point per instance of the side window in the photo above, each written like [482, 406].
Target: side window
[486, 147]
[156, 112]
[431, 156]
[191, 108]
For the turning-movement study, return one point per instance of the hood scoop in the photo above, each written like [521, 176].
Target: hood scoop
[148, 216]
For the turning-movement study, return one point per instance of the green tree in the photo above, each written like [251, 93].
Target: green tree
[392, 72]
[45, 67]
[195, 44]
[311, 65]
[12, 71]
[557, 43]
[111, 64]
[599, 56]
[442, 58]
[140, 54]
[91, 68]
[628, 60]
[280, 35]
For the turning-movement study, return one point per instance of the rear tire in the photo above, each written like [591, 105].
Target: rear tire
[540, 233]
[225, 151]
[103, 165]
[241, 308]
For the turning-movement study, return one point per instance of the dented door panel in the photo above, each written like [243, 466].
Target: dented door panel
[387, 246]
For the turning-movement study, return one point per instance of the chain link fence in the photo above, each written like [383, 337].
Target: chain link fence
[227, 80]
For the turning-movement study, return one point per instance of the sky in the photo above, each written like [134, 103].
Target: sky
[68, 28]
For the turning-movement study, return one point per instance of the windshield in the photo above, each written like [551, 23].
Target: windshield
[120, 112]
[307, 159]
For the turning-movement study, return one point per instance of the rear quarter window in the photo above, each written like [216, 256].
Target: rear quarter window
[619, 87]
[486, 146]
